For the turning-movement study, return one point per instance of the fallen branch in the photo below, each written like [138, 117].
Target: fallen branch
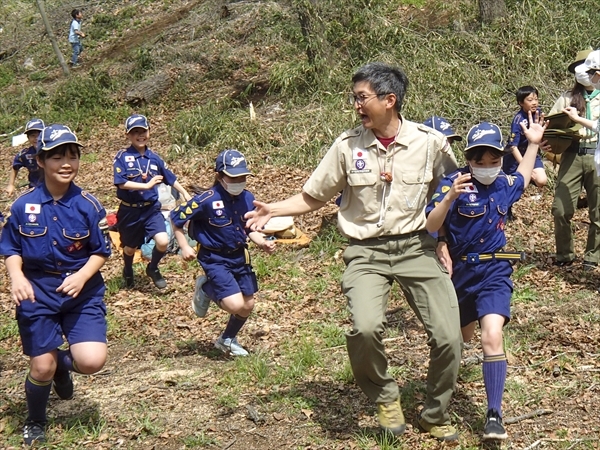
[530, 415]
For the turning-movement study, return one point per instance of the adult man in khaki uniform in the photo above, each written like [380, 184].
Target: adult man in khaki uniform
[386, 167]
[577, 169]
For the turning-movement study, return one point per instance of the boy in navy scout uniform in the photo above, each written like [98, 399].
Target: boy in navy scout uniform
[137, 173]
[527, 98]
[443, 126]
[386, 168]
[469, 209]
[216, 221]
[55, 243]
[26, 157]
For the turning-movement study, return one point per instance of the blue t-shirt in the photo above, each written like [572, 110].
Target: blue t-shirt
[55, 235]
[131, 165]
[216, 218]
[476, 219]
[75, 26]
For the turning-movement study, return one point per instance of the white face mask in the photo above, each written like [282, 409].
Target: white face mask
[582, 78]
[234, 188]
[485, 175]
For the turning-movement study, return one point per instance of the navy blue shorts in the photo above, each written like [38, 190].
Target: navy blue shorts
[484, 288]
[43, 323]
[135, 224]
[510, 164]
[227, 274]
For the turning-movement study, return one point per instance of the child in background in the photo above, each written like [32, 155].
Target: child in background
[75, 35]
[527, 97]
[137, 173]
[26, 157]
[55, 243]
[216, 221]
[443, 126]
[470, 207]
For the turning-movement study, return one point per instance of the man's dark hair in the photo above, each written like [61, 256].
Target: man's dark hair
[525, 91]
[384, 79]
[75, 13]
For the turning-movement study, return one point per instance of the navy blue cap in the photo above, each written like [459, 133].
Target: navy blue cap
[231, 163]
[485, 134]
[440, 124]
[55, 135]
[34, 125]
[136, 121]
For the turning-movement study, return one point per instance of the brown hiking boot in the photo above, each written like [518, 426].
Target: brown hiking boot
[444, 432]
[390, 417]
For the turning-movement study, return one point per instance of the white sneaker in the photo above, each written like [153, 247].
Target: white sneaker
[201, 301]
[231, 346]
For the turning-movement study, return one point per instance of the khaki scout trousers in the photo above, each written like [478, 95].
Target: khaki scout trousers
[372, 267]
[576, 171]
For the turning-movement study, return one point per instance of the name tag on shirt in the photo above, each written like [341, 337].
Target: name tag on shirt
[153, 166]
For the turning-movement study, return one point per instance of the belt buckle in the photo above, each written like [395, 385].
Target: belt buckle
[472, 258]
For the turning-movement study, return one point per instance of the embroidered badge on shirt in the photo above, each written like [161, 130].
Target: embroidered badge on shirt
[194, 205]
[32, 217]
[129, 158]
[472, 198]
[153, 166]
[188, 210]
[360, 164]
[445, 189]
[358, 153]
[75, 246]
[219, 212]
[118, 170]
[218, 204]
[33, 208]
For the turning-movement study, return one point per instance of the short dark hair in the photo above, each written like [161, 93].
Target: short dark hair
[384, 79]
[525, 91]
[476, 153]
[75, 13]
[61, 150]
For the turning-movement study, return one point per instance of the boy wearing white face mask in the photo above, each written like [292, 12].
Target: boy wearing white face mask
[216, 222]
[470, 206]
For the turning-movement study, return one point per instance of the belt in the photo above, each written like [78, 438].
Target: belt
[586, 150]
[65, 274]
[476, 258]
[223, 252]
[387, 238]
[137, 205]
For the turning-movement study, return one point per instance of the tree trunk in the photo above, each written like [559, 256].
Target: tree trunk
[491, 10]
[59, 55]
[313, 32]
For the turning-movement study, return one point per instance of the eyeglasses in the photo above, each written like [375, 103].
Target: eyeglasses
[362, 99]
[592, 72]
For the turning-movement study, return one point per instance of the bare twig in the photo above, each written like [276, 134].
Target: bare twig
[534, 445]
[537, 412]
[537, 364]
[231, 442]
[572, 441]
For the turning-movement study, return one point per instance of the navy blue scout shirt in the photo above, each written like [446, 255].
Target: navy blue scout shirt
[217, 218]
[26, 158]
[55, 235]
[130, 165]
[517, 138]
[475, 221]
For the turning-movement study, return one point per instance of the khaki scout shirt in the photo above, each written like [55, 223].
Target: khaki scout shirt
[587, 135]
[418, 158]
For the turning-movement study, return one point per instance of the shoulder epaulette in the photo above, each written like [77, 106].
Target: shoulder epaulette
[510, 179]
[93, 200]
[119, 153]
[31, 189]
[355, 132]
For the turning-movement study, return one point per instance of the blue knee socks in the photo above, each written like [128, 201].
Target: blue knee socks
[37, 393]
[234, 325]
[156, 257]
[494, 377]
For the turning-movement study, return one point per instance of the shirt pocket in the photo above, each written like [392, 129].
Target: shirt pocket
[76, 240]
[415, 185]
[502, 209]
[33, 244]
[363, 196]
[219, 222]
[472, 211]
[32, 232]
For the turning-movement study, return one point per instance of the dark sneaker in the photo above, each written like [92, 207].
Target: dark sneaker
[33, 432]
[157, 278]
[128, 280]
[494, 430]
[562, 263]
[201, 301]
[444, 432]
[391, 418]
[63, 384]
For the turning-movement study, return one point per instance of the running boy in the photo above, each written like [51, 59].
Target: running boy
[26, 157]
[217, 222]
[469, 208]
[137, 173]
[55, 243]
[527, 97]
[75, 35]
